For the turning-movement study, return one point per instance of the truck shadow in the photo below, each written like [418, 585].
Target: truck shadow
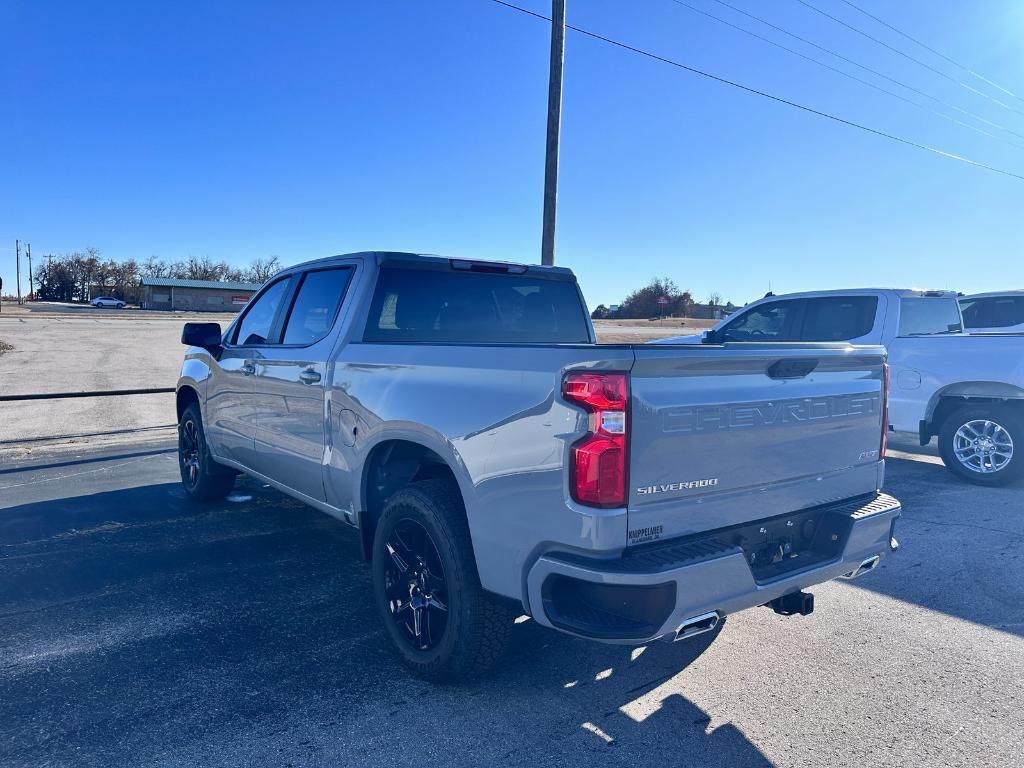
[961, 546]
[144, 630]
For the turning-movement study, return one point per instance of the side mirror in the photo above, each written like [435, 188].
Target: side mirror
[205, 335]
[710, 337]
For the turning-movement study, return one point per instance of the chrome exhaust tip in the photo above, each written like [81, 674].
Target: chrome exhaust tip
[868, 565]
[697, 625]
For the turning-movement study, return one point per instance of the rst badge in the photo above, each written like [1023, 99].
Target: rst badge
[689, 485]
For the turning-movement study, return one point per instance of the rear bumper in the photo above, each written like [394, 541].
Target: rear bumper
[649, 592]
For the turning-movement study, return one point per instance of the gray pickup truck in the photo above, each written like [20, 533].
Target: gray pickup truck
[497, 461]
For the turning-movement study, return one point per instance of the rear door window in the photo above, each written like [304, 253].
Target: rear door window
[440, 305]
[772, 321]
[316, 305]
[838, 318]
[993, 311]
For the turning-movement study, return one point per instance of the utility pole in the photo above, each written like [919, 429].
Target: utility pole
[547, 248]
[17, 268]
[31, 285]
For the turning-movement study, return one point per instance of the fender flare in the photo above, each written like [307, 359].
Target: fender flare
[422, 436]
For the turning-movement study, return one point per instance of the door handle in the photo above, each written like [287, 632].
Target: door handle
[248, 368]
[309, 377]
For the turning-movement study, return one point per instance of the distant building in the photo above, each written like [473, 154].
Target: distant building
[195, 295]
[710, 312]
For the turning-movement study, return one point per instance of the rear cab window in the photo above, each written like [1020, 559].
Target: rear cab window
[459, 306]
[929, 316]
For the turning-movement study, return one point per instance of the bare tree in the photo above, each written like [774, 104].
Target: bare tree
[261, 270]
[154, 267]
[196, 268]
[73, 276]
[90, 265]
[714, 299]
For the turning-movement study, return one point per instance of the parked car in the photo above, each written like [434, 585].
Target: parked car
[108, 302]
[1000, 312]
[968, 391]
[496, 461]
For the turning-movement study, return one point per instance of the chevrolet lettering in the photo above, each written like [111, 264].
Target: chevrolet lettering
[746, 415]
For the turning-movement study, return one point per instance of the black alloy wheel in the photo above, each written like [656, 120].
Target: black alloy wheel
[414, 582]
[202, 477]
[189, 454]
[442, 623]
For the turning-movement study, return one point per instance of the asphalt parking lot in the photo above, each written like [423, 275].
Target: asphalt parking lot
[56, 348]
[137, 629]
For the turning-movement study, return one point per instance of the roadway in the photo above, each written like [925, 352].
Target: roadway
[138, 629]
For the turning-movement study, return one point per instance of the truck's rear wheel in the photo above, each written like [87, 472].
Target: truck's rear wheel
[427, 588]
[202, 477]
[983, 444]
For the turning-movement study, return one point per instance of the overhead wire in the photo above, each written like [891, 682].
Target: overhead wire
[763, 94]
[866, 68]
[845, 74]
[928, 48]
[907, 56]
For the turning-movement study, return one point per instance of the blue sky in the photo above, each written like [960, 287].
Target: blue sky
[238, 130]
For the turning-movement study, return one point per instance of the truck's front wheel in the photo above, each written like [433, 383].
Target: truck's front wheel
[427, 589]
[983, 444]
[202, 477]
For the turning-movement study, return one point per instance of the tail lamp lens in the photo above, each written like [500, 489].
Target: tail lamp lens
[885, 411]
[598, 469]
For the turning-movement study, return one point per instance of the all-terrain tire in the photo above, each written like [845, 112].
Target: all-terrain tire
[202, 477]
[476, 627]
[996, 426]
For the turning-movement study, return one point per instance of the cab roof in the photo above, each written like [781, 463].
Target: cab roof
[994, 294]
[392, 257]
[900, 292]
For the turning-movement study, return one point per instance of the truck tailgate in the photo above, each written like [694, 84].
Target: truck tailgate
[725, 435]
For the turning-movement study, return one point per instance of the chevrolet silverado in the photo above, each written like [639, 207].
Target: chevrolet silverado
[496, 461]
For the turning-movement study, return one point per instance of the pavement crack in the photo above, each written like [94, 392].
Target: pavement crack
[1003, 531]
[104, 468]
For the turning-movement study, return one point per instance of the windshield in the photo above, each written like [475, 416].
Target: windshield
[929, 316]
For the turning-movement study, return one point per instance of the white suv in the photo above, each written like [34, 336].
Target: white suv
[107, 302]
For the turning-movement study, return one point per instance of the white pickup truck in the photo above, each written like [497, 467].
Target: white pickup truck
[967, 390]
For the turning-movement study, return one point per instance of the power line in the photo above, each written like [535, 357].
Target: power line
[943, 56]
[866, 68]
[907, 56]
[763, 94]
[838, 71]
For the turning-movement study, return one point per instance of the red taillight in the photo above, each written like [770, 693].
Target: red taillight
[885, 411]
[598, 470]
